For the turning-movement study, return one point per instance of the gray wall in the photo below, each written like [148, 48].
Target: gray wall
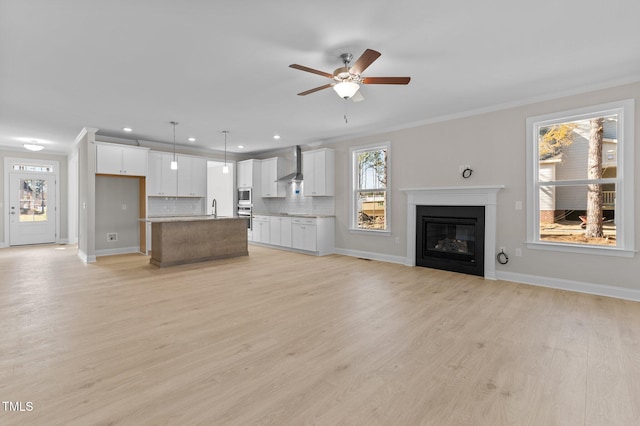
[494, 144]
[117, 211]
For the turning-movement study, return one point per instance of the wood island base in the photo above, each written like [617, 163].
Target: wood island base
[178, 241]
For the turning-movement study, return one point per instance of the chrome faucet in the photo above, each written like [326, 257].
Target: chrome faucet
[214, 204]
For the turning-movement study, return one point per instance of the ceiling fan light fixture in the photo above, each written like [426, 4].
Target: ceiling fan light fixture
[346, 89]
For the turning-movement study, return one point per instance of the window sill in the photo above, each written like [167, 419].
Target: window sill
[581, 249]
[385, 233]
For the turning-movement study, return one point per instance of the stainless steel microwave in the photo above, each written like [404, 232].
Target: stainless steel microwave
[244, 196]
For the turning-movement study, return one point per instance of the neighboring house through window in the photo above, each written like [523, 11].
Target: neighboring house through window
[580, 180]
[370, 175]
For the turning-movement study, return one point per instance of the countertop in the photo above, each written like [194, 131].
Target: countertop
[293, 215]
[160, 219]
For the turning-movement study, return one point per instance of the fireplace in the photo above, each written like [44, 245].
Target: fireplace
[451, 238]
[482, 196]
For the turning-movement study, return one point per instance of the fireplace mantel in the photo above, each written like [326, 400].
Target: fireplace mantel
[456, 196]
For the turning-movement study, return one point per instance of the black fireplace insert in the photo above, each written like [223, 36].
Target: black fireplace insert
[450, 238]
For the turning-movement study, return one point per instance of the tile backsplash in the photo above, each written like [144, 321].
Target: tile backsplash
[175, 206]
[296, 203]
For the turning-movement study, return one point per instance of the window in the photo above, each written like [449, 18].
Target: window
[370, 171]
[580, 185]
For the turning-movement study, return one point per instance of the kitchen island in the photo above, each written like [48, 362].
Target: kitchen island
[190, 239]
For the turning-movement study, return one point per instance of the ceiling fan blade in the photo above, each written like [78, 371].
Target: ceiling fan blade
[364, 61]
[326, 86]
[311, 70]
[386, 80]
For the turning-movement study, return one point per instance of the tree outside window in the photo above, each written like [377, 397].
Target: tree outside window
[370, 188]
[578, 196]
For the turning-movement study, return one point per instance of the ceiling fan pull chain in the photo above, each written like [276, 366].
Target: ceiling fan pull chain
[346, 105]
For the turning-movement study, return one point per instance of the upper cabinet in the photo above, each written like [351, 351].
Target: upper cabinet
[190, 180]
[318, 169]
[248, 173]
[162, 180]
[192, 176]
[272, 169]
[114, 159]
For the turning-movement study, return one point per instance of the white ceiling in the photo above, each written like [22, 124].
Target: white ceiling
[223, 65]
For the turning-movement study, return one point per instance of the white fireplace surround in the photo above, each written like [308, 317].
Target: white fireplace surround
[457, 196]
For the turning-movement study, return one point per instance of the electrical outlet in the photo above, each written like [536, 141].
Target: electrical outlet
[112, 236]
[518, 252]
[124, 207]
[518, 205]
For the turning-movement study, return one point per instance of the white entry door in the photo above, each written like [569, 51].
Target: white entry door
[32, 211]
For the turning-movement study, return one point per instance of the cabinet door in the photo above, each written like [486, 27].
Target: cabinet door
[268, 172]
[162, 181]
[274, 231]
[319, 170]
[198, 177]
[169, 181]
[304, 235]
[154, 179]
[108, 159]
[285, 231]
[134, 161]
[184, 176]
[244, 174]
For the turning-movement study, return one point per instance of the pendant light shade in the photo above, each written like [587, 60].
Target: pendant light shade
[225, 168]
[174, 163]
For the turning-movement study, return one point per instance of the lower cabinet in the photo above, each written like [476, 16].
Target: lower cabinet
[309, 234]
[261, 229]
[304, 234]
[280, 231]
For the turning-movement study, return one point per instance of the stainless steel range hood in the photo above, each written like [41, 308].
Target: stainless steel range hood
[296, 175]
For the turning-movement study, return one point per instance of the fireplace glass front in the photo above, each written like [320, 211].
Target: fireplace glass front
[451, 238]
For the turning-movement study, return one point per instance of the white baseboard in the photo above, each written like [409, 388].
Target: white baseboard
[372, 256]
[114, 251]
[557, 283]
[570, 285]
[86, 259]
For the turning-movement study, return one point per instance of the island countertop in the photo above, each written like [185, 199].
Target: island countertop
[159, 219]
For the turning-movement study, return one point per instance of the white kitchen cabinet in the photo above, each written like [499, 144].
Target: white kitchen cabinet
[318, 168]
[272, 169]
[113, 159]
[248, 173]
[304, 234]
[162, 181]
[261, 229]
[280, 231]
[192, 176]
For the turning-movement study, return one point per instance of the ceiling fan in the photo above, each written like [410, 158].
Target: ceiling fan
[346, 80]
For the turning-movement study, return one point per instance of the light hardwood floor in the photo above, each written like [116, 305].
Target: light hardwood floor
[280, 338]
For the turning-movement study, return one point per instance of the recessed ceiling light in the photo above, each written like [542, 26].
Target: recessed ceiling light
[240, 146]
[276, 136]
[127, 129]
[191, 139]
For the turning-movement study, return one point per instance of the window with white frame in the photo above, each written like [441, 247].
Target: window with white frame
[580, 180]
[370, 201]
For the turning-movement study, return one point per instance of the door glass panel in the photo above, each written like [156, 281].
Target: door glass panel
[33, 200]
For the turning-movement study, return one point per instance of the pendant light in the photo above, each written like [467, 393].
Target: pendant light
[225, 168]
[174, 163]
